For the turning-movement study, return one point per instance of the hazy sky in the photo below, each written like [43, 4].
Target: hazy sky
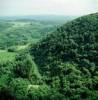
[52, 7]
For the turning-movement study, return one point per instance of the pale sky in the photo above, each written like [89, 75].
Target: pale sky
[50, 7]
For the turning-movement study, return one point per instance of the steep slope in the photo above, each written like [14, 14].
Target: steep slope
[67, 59]
[76, 41]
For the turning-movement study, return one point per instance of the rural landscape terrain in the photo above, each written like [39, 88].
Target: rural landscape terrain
[49, 58]
[17, 33]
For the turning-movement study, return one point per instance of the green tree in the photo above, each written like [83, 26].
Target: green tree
[18, 88]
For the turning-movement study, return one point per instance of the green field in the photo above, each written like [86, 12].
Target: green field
[6, 56]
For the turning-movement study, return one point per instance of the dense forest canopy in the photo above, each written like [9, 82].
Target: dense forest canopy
[70, 54]
[61, 66]
[74, 41]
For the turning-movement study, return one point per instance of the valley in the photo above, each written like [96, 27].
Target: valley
[54, 59]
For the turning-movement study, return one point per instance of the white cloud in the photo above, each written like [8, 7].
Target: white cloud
[58, 7]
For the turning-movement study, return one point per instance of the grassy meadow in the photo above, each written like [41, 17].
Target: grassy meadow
[6, 56]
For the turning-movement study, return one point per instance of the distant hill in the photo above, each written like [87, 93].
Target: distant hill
[40, 17]
[27, 29]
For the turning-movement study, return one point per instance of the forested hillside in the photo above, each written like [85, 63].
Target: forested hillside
[68, 58]
[61, 66]
[75, 40]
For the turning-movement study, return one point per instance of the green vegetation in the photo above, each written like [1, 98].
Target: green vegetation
[6, 56]
[68, 59]
[20, 32]
[61, 66]
[24, 31]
